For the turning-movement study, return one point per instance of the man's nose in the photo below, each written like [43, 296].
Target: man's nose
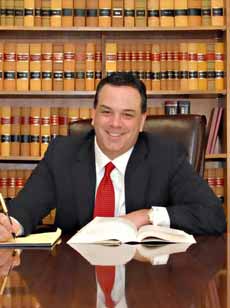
[116, 120]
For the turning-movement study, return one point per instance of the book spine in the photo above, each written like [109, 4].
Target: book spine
[69, 65]
[206, 13]
[67, 13]
[56, 13]
[111, 58]
[194, 13]
[46, 66]
[170, 73]
[176, 67]
[73, 114]
[219, 66]
[63, 121]
[211, 66]
[85, 113]
[25, 131]
[133, 59]
[163, 63]
[5, 130]
[147, 67]
[19, 13]
[156, 67]
[117, 13]
[202, 66]
[9, 10]
[98, 64]
[80, 67]
[217, 7]
[3, 13]
[54, 122]
[90, 67]
[192, 66]
[22, 67]
[35, 67]
[11, 183]
[9, 66]
[128, 60]
[183, 65]
[38, 13]
[1, 65]
[19, 181]
[140, 62]
[58, 67]
[79, 18]
[129, 13]
[15, 131]
[46, 13]
[120, 56]
[92, 8]
[45, 129]
[140, 13]
[181, 13]
[105, 8]
[29, 10]
[167, 13]
[3, 182]
[35, 131]
[153, 13]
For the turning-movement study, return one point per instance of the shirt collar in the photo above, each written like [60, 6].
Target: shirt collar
[119, 162]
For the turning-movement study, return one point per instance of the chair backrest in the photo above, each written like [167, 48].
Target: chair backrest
[188, 130]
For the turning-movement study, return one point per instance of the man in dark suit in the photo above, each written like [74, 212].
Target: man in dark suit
[152, 178]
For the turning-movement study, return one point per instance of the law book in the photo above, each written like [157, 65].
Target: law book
[163, 66]
[45, 129]
[219, 66]
[46, 66]
[192, 66]
[54, 122]
[156, 67]
[79, 19]
[38, 13]
[104, 255]
[11, 183]
[181, 13]
[19, 13]
[3, 12]
[117, 13]
[133, 57]
[35, 66]
[69, 66]
[35, 126]
[58, 73]
[153, 18]
[105, 8]
[92, 7]
[73, 114]
[167, 13]
[5, 130]
[140, 61]
[63, 121]
[56, 13]
[120, 56]
[3, 181]
[128, 65]
[46, 13]
[9, 66]
[147, 67]
[211, 128]
[22, 67]
[129, 13]
[183, 65]
[216, 129]
[84, 113]
[140, 13]
[19, 180]
[80, 66]
[44, 238]
[202, 66]
[67, 13]
[211, 65]
[25, 131]
[1, 64]
[90, 66]
[118, 230]
[15, 131]
[170, 67]
[9, 10]
[98, 63]
[111, 58]
[29, 7]
[206, 13]
[217, 7]
[194, 13]
[176, 67]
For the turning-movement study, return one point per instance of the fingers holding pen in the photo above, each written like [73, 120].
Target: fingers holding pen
[6, 228]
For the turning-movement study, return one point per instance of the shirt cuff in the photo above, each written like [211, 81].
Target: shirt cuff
[21, 229]
[160, 216]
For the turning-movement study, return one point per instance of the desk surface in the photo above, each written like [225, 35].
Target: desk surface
[61, 278]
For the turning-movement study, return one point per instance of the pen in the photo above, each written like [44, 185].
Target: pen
[3, 286]
[5, 210]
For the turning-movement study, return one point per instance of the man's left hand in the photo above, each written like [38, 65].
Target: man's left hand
[139, 218]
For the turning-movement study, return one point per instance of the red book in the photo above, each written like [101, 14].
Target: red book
[211, 128]
[216, 130]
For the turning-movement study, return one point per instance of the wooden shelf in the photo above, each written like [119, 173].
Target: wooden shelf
[216, 156]
[20, 158]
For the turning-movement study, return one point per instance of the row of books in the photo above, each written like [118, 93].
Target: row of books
[214, 175]
[115, 13]
[171, 65]
[215, 122]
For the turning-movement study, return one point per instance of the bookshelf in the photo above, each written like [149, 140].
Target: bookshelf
[202, 101]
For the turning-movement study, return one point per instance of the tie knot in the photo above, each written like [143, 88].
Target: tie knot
[109, 168]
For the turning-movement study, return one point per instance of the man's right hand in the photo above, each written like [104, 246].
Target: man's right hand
[6, 229]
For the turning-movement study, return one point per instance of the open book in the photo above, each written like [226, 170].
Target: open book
[117, 230]
[43, 239]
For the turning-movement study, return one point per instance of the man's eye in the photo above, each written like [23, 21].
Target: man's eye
[105, 111]
[128, 115]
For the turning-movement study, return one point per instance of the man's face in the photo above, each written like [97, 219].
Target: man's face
[117, 119]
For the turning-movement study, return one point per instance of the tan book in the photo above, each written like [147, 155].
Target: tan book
[133, 57]
[79, 18]
[63, 121]
[170, 66]
[19, 180]
[19, 13]
[45, 129]
[98, 64]
[194, 13]
[69, 66]
[90, 66]
[1, 64]
[183, 65]
[29, 11]
[25, 131]
[120, 56]
[92, 8]
[35, 131]
[5, 130]
[73, 114]
[4, 182]
[219, 66]
[46, 66]
[3, 12]
[110, 58]
[9, 10]
[67, 13]
[211, 65]
[140, 13]
[80, 66]
[84, 113]
[46, 13]
[22, 67]
[192, 66]
[129, 13]
[217, 12]
[140, 61]
[117, 13]
[9, 66]
[180, 12]
[176, 67]
[206, 13]
[15, 131]
[156, 67]
[202, 66]
[219, 174]
[11, 187]
[56, 13]
[38, 13]
[153, 17]
[35, 67]
[147, 66]
[54, 122]
[105, 8]
[128, 63]
[167, 13]
[58, 54]
[163, 63]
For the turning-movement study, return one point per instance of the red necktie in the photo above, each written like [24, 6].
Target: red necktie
[104, 207]
[105, 197]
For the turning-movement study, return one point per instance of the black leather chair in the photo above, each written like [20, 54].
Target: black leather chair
[186, 129]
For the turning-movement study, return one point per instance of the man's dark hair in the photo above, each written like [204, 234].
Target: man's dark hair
[124, 79]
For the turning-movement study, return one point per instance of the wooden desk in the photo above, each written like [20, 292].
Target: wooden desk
[61, 278]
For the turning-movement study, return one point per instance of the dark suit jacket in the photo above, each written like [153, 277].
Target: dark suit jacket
[157, 174]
